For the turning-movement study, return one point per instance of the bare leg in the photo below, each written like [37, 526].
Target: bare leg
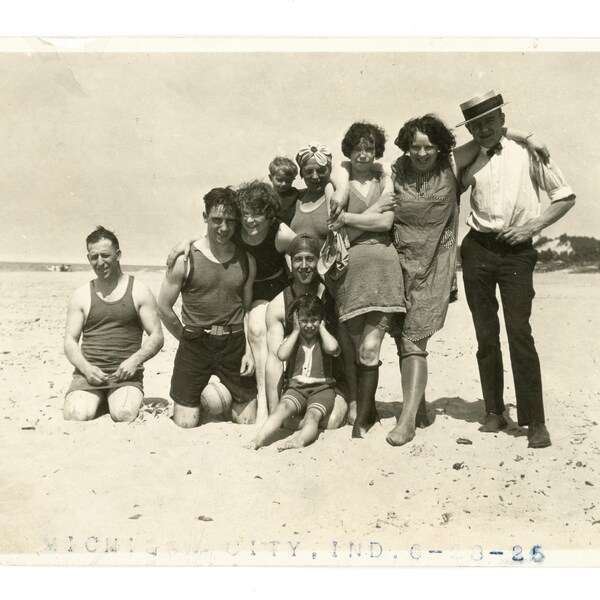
[284, 409]
[307, 435]
[244, 413]
[186, 416]
[422, 419]
[82, 405]
[124, 403]
[273, 380]
[414, 382]
[337, 418]
[349, 358]
[257, 337]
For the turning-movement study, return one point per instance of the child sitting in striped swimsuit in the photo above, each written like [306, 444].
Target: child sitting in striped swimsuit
[310, 384]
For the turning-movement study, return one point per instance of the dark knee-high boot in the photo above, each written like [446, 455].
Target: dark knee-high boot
[366, 414]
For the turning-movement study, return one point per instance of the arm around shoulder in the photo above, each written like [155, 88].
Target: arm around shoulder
[284, 238]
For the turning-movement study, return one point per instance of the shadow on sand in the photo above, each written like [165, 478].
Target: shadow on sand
[456, 408]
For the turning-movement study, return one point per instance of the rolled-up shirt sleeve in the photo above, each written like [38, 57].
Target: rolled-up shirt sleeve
[550, 179]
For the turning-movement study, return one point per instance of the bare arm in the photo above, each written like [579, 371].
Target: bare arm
[181, 248]
[374, 218]
[284, 238]
[537, 149]
[73, 331]
[340, 178]
[328, 342]
[169, 292]
[247, 365]
[464, 155]
[147, 311]
[289, 343]
[366, 221]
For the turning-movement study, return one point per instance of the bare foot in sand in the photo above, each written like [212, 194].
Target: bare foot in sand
[292, 444]
[253, 445]
[400, 435]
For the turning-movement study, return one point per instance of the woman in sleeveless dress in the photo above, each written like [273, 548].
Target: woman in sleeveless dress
[371, 291]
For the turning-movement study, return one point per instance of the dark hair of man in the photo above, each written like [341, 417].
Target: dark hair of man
[367, 132]
[221, 197]
[281, 163]
[433, 127]
[258, 197]
[101, 233]
[307, 305]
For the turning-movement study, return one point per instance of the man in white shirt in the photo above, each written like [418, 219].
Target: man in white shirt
[498, 251]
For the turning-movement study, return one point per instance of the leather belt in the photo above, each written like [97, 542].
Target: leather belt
[225, 329]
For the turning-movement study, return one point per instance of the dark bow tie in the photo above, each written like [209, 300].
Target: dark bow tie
[495, 149]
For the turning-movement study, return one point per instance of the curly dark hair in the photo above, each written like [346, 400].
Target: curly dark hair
[433, 127]
[258, 197]
[101, 233]
[366, 131]
[224, 197]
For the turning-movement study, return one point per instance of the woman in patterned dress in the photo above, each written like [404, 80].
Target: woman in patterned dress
[426, 185]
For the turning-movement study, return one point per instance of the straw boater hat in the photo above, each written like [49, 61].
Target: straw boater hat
[481, 105]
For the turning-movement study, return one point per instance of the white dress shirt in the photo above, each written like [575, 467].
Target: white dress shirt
[505, 187]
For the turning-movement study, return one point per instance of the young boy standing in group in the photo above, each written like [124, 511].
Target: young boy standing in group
[282, 172]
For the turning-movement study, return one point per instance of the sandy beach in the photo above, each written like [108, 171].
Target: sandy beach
[151, 493]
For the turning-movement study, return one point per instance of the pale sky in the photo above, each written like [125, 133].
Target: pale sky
[133, 140]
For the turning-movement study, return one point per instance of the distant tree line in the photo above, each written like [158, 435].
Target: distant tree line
[586, 250]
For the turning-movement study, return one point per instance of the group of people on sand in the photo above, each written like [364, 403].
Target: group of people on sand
[296, 338]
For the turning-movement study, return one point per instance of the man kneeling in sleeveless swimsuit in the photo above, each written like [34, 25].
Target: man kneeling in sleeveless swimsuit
[215, 284]
[111, 312]
[304, 254]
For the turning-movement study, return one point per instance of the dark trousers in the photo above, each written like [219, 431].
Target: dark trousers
[488, 264]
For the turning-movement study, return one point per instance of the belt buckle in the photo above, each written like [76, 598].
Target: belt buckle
[220, 330]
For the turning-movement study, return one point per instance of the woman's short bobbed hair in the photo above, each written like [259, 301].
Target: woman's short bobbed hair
[259, 198]
[364, 131]
[433, 127]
